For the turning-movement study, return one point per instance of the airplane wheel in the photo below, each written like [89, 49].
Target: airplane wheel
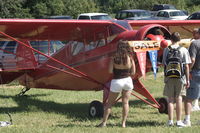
[163, 105]
[96, 109]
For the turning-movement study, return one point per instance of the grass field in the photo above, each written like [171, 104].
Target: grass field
[55, 111]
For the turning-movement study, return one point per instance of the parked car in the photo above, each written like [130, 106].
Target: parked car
[94, 16]
[194, 16]
[58, 17]
[171, 15]
[135, 14]
[158, 7]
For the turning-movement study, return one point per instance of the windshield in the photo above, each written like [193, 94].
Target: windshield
[101, 17]
[177, 13]
[142, 14]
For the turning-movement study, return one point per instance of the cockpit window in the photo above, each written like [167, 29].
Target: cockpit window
[46, 47]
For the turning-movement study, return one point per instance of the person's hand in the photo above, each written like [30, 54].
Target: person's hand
[190, 76]
[187, 84]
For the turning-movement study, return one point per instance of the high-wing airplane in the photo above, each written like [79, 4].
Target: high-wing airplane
[75, 54]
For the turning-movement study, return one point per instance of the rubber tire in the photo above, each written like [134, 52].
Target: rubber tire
[163, 106]
[96, 109]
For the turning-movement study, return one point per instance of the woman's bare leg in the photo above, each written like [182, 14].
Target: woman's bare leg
[125, 104]
[111, 100]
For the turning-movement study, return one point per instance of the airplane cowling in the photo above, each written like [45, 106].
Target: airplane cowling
[150, 29]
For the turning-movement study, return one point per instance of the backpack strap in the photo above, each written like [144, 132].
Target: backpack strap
[170, 48]
[179, 48]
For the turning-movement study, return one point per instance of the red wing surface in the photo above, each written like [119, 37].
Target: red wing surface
[185, 27]
[42, 29]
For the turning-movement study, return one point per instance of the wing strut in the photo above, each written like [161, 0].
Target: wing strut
[57, 61]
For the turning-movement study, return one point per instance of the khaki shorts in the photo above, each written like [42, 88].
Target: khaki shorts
[174, 87]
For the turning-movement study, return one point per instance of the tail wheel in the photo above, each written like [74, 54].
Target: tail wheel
[96, 109]
[163, 105]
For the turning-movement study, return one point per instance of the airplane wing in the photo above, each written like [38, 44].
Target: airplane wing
[184, 27]
[43, 29]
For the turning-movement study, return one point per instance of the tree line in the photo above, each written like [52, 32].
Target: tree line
[44, 8]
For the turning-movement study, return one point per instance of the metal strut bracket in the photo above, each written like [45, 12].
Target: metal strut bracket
[23, 91]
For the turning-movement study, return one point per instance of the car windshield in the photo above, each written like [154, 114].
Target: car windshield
[101, 17]
[142, 14]
[177, 13]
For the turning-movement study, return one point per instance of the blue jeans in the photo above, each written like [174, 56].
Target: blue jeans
[193, 92]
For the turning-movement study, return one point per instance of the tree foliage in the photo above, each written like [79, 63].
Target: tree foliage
[13, 9]
[43, 8]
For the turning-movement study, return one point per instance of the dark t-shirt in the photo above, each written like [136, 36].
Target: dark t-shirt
[194, 51]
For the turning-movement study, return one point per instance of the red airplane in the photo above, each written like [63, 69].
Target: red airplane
[74, 54]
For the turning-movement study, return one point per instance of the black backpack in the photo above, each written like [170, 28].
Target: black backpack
[174, 63]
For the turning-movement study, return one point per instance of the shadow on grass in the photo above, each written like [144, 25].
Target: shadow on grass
[146, 123]
[137, 102]
[135, 124]
[78, 111]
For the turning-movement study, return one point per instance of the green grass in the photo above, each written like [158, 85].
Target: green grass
[56, 111]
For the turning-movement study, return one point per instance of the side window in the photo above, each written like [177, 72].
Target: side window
[2, 43]
[41, 46]
[160, 14]
[123, 15]
[129, 14]
[56, 45]
[101, 39]
[117, 15]
[90, 46]
[192, 16]
[166, 15]
[10, 47]
[198, 16]
[84, 17]
[101, 42]
[77, 47]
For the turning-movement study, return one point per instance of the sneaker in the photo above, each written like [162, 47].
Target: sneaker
[187, 123]
[195, 108]
[170, 123]
[180, 124]
[101, 125]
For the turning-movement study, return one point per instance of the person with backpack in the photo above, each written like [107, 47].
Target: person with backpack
[193, 92]
[176, 60]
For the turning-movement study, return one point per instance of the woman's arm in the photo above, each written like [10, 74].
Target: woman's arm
[133, 67]
[110, 69]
